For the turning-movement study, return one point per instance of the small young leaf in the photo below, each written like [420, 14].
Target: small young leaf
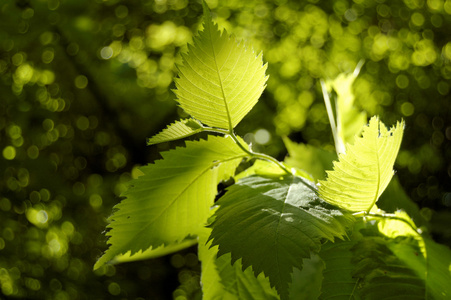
[220, 80]
[363, 173]
[177, 130]
[172, 200]
[272, 224]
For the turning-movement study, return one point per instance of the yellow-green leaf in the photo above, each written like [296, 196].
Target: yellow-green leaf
[362, 174]
[220, 80]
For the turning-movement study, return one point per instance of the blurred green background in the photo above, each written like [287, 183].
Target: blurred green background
[83, 83]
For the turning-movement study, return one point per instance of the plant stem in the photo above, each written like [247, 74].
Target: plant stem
[257, 155]
[388, 216]
[339, 144]
[251, 153]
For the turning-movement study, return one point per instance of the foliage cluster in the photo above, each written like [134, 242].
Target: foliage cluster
[274, 218]
[82, 83]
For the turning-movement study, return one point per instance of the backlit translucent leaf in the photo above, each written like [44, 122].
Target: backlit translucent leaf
[177, 130]
[349, 120]
[172, 200]
[315, 161]
[362, 174]
[154, 253]
[271, 224]
[220, 80]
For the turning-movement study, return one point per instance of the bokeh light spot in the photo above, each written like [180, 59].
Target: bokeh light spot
[106, 52]
[48, 55]
[9, 152]
[82, 123]
[121, 11]
[45, 195]
[81, 81]
[5, 204]
[417, 19]
[33, 152]
[262, 136]
[95, 200]
[114, 288]
[402, 81]
[42, 216]
[407, 109]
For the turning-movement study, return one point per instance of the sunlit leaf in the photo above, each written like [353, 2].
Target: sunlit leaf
[271, 224]
[349, 119]
[172, 200]
[262, 168]
[395, 198]
[154, 253]
[177, 130]
[362, 174]
[220, 80]
[313, 160]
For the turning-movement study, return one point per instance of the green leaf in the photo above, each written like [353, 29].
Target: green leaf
[172, 200]
[220, 80]
[306, 283]
[272, 224]
[177, 130]
[438, 262]
[313, 160]
[349, 120]
[395, 198]
[154, 253]
[212, 287]
[382, 274]
[430, 261]
[363, 173]
[338, 283]
[262, 168]
[221, 280]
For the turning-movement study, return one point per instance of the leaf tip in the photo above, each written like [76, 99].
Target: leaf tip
[206, 10]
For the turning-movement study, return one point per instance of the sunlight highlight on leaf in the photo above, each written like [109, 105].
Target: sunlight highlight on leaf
[220, 80]
[172, 200]
[362, 174]
[175, 131]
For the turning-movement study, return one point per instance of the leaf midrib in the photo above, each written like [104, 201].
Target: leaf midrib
[229, 120]
[378, 168]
